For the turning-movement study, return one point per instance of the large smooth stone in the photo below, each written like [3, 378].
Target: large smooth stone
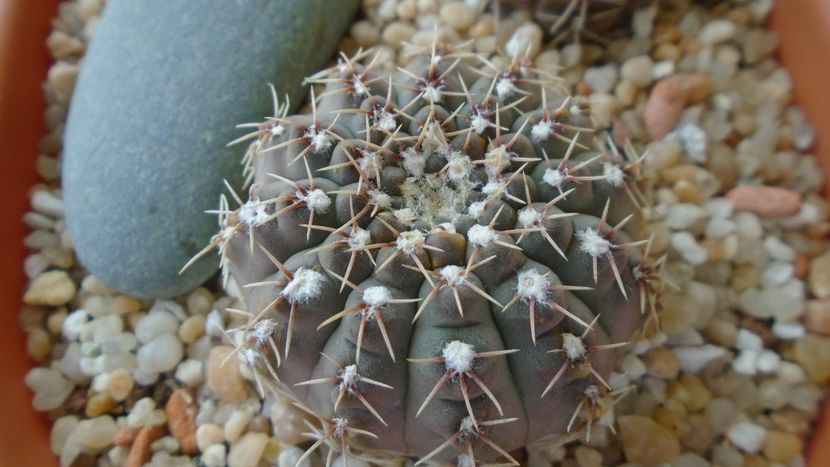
[162, 88]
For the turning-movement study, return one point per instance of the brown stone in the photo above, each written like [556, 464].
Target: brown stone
[662, 363]
[181, 412]
[768, 202]
[645, 442]
[140, 451]
[223, 376]
[817, 316]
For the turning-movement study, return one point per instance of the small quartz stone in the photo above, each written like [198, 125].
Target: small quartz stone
[223, 377]
[525, 42]
[247, 450]
[661, 363]
[819, 276]
[458, 15]
[639, 70]
[61, 430]
[50, 387]
[192, 328]
[747, 436]
[290, 456]
[214, 456]
[646, 442]
[160, 354]
[817, 316]
[601, 79]
[52, 288]
[209, 434]
[813, 354]
[189, 372]
[717, 31]
[96, 433]
[782, 447]
[236, 424]
[154, 325]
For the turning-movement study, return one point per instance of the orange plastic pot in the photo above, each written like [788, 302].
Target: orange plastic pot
[804, 27]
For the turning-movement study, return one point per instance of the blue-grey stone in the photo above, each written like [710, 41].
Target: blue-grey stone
[163, 85]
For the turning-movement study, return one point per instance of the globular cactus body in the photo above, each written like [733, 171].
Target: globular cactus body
[432, 263]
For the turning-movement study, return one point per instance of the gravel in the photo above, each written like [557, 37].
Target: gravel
[733, 374]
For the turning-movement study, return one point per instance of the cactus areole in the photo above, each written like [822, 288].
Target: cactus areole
[435, 263]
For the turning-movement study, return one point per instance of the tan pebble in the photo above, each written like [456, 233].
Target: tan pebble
[698, 394]
[819, 276]
[646, 442]
[192, 328]
[398, 32]
[588, 457]
[407, 9]
[792, 421]
[200, 301]
[482, 28]
[123, 305]
[525, 42]
[94, 285]
[817, 317]
[52, 288]
[671, 418]
[427, 6]
[669, 52]
[181, 412]
[125, 436]
[458, 15]
[38, 344]
[61, 77]
[661, 363]
[626, 93]
[209, 434]
[119, 384]
[272, 451]
[663, 108]
[688, 192]
[99, 404]
[247, 450]
[812, 352]
[782, 447]
[140, 452]
[62, 45]
[223, 377]
[55, 321]
[365, 33]
[767, 202]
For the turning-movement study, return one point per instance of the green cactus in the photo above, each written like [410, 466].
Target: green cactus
[433, 263]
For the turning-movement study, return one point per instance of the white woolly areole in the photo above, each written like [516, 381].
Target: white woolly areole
[371, 162]
[554, 177]
[497, 159]
[377, 296]
[446, 227]
[481, 235]
[340, 426]
[250, 356]
[316, 200]
[406, 216]
[459, 166]
[277, 130]
[359, 88]
[408, 242]
[593, 243]
[432, 93]
[414, 162]
[253, 213]
[453, 275]
[573, 346]
[305, 285]
[505, 88]
[379, 199]
[465, 461]
[479, 123]
[348, 377]
[530, 217]
[532, 285]
[613, 174]
[476, 209]
[319, 139]
[459, 356]
[541, 131]
[494, 188]
[468, 426]
[359, 238]
[384, 120]
[263, 330]
[434, 138]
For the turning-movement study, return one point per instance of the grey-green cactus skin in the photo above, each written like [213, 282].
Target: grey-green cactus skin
[455, 215]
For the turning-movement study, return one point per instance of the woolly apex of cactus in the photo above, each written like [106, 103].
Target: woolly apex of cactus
[433, 263]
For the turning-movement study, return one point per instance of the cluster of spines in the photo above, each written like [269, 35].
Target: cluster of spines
[458, 358]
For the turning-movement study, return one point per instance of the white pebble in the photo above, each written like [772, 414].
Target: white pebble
[155, 324]
[719, 227]
[209, 434]
[458, 15]
[686, 245]
[717, 31]
[788, 330]
[236, 424]
[663, 69]
[142, 412]
[48, 204]
[50, 387]
[791, 373]
[247, 450]
[73, 325]
[215, 325]
[747, 340]
[684, 215]
[525, 42]
[720, 208]
[160, 354]
[214, 456]
[102, 328]
[96, 433]
[61, 430]
[693, 359]
[746, 363]
[747, 436]
[639, 70]
[340, 461]
[290, 456]
[777, 274]
[601, 79]
[632, 366]
[768, 361]
[190, 372]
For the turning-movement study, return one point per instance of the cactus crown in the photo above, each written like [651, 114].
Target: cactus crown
[434, 261]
